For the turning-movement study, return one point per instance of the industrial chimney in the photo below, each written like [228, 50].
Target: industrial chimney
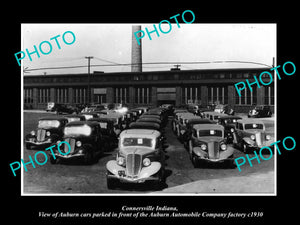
[136, 50]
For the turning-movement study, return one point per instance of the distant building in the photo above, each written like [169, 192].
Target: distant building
[179, 87]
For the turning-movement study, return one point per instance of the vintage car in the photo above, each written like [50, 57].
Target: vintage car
[226, 109]
[208, 144]
[213, 116]
[229, 123]
[181, 125]
[89, 115]
[176, 119]
[251, 134]
[59, 108]
[190, 123]
[140, 158]
[72, 118]
[49, 130]
[85, 140]
[110, 138]
[149, 119]
[260, 111]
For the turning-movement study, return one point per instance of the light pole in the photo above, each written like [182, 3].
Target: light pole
[89, 79]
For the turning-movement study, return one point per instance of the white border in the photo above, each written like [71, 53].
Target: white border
[153, 193]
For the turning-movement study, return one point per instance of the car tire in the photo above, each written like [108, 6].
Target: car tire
[195, 160]
[88, 158]
[244, 147]
[190, 148]
[28, 146]
[53, 160]
[111, 183]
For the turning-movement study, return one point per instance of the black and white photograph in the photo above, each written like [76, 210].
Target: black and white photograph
[150, 115]
[144, 108]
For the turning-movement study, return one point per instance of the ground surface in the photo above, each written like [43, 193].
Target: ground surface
[90, 179]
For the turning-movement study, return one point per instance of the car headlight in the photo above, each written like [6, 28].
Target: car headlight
[58, 142]
[146, 162]
[32, 133]
[78, 143]
[232, 130]
[121, 161]
[268, 137]
[80, 151]
[223, 146]
[203, 147]
[252, 137]
[48, 133]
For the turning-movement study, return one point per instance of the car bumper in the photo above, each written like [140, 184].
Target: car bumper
[69, 156]
[118, 172]
[38, 143]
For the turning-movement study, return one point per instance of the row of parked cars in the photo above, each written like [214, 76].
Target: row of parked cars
[207, 137]
[138, 134]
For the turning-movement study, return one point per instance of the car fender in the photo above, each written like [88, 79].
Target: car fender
[248, 141]
[199, 152]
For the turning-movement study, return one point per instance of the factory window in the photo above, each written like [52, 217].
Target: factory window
[121, 95]
[247, 97]
[269, 95]
[79, 95]
[43, 95]
[28, 95]
[143, 95]
[191, 95]
[61, 95]
[217, 95]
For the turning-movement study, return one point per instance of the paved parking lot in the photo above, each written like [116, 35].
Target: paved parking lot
[76, 178]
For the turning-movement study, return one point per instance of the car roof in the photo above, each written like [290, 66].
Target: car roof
[208, 126]
[60, 118]
[78, 123]
[140, 124]
[230, 117]
[250, 121]
[102, 119]
[199, 120]
[140, 133]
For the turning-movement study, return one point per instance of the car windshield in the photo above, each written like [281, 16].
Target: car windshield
[254, 126]
[48, 123]
[78, 130]
[215, 133]
[147, 142]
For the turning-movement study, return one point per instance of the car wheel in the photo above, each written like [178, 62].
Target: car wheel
[28, 146]
[88, 158]
[52, 160]
[111, 183]
[244, 147]
[195, 160]
[190, 148]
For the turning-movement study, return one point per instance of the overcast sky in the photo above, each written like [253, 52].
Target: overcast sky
[112, 43]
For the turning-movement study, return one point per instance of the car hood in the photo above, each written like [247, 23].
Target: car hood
[136, 150]
[254, 131]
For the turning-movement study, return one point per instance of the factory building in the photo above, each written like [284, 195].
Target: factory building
[151, 88]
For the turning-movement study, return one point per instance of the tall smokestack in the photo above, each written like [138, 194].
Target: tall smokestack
[136, 50]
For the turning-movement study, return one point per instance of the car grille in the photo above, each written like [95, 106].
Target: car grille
[71, 142]
[133, 164]
[40, 135]
[258, 138]
[213, 150]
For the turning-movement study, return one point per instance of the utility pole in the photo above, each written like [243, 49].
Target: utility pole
[89, 79]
